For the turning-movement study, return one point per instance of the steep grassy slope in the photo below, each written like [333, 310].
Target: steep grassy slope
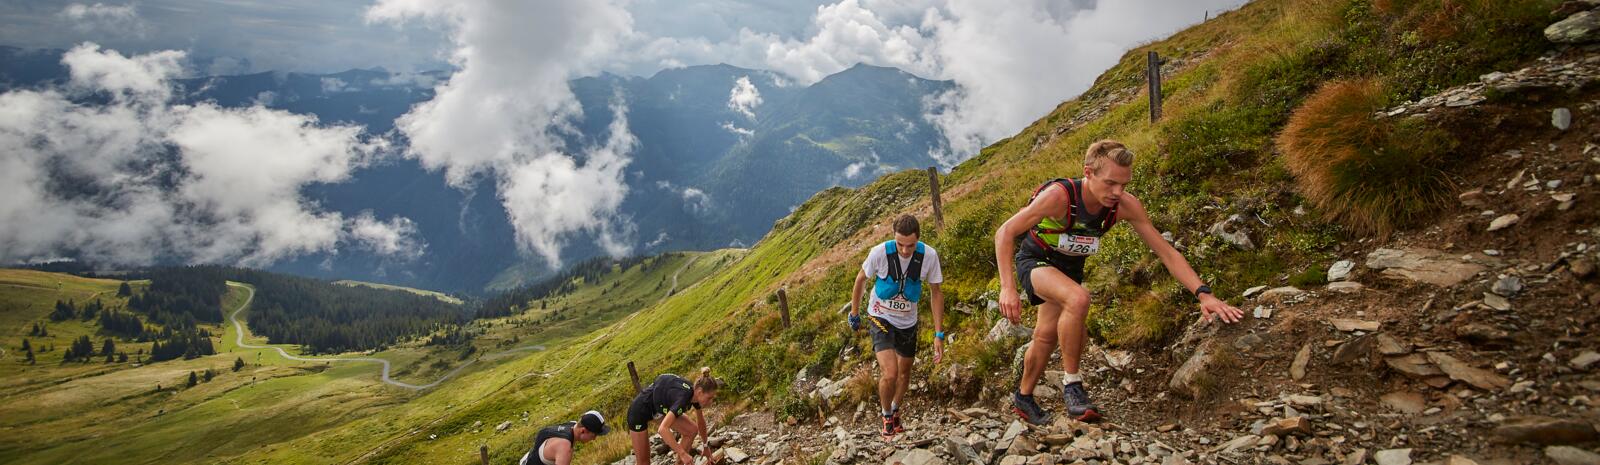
[1230, 87]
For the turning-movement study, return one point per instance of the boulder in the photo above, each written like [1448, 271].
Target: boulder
[921, 457]
[1191, 380]
[1003, 329]
[1568, 455]
[1579, 28]
[1422, 265]
[1233, 231]
[1461, 371]
[963, 452]
[1340, 270]
[1544, 430]
[1561, 118]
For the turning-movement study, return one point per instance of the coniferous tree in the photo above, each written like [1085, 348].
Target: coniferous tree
[108, 347]
[193, 379]
[238, 363]
[210, 373]
[62, 312]
[124, 290]
[26, 347]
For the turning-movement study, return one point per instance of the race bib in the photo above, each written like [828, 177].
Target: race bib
[898, 305]
[1078, 246]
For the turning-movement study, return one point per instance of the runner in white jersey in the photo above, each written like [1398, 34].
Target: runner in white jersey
[898, 269]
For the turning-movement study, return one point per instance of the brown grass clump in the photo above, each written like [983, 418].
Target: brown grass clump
[1367, 173]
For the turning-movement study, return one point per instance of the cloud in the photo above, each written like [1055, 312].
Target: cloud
[333, 85]
[112, 20]
[744, 97]
[741, 132]
[394, 238]
[500, 113]
[141, 179]
[1012, 60]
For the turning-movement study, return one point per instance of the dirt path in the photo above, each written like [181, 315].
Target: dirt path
[239, 339]
[547, 373]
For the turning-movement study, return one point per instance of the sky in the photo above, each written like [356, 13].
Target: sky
[497, 117]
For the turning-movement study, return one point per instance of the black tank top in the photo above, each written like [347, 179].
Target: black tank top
[563, 431]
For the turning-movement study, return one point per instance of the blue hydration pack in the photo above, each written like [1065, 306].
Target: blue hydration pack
[909, 285]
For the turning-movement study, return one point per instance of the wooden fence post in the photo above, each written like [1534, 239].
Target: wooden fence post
[1153, 75]
[483, 453]
[783, 307]
[634, 373]
[933, 183]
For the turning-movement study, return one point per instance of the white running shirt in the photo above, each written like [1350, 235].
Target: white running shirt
[877, 266]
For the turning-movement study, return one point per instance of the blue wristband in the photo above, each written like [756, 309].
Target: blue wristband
[938, 335]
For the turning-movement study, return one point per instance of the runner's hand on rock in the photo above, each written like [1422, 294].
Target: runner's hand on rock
[1010, 305]
[1212, 307]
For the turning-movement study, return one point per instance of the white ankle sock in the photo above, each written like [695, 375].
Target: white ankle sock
[1070, 378]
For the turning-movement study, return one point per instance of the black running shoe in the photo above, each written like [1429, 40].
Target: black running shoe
[1078, 404]
[1028, 409]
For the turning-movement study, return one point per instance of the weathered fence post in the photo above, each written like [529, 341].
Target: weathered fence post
[1153, 75]
[483, 453]
[938, 212]
[783, 307]
[634, 373]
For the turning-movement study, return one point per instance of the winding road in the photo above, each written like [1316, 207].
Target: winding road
[547, 373]
[238, 334]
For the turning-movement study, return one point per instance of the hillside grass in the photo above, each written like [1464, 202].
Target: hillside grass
[435, 294]
[1232, 87]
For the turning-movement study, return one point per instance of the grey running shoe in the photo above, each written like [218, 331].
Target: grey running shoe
[1028, 409]
[1078, 404]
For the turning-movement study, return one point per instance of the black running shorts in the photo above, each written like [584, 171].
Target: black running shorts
[1030, 255]
[886, 336]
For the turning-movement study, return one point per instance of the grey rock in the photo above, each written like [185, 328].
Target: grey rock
[1251, 292]
[1353, 350]
[1405, 402]
[1504, 221]
[1422, 265]
[1340, 270]
[1575, 29]
[1232, 231]
[1190, 379]
[735, 455]
[1345, 287]
[1568, 455]
[1507, 286]
[921, 457]
[1003, 329]
[503, 426]
[1561, 118]
[1297, 369]
[1584, 360]
[1461, 371]
[1281, 293]
[962, 451]
[1496, 302]
[1393, 457]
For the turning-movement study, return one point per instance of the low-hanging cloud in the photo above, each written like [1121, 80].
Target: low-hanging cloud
[1012, 60]
[502, 112]
[744, 97]
[113, 20]
[142, 179]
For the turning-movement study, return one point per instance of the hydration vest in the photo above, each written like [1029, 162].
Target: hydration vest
[910, 284]
[1047, 234]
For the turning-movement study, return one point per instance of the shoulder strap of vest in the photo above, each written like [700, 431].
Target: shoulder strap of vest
[914, 270]
[1067, 185]
[892, 253]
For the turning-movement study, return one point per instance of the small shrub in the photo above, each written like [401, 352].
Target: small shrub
[1371, 175]
[1313, 276]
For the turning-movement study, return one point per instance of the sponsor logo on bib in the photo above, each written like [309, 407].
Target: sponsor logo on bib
[1078, 246]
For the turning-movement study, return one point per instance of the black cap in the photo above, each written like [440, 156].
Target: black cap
[594, 422]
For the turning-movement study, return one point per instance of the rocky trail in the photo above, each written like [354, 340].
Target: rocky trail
[1470, 340]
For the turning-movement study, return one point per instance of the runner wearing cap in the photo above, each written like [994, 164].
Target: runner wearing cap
[555, 444]
[668, 399]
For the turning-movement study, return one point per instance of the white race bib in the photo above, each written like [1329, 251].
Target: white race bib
[1078, 246]
[898, 305]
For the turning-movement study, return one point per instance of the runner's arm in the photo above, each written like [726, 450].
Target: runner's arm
[1052, 201]
[705, 430]
[665, 431]
[855, 294]
[1134, 213]
[561, 449]
[938, 320]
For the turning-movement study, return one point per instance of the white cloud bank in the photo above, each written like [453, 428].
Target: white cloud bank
[113, 20]
[141, 178]
[501, 113]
